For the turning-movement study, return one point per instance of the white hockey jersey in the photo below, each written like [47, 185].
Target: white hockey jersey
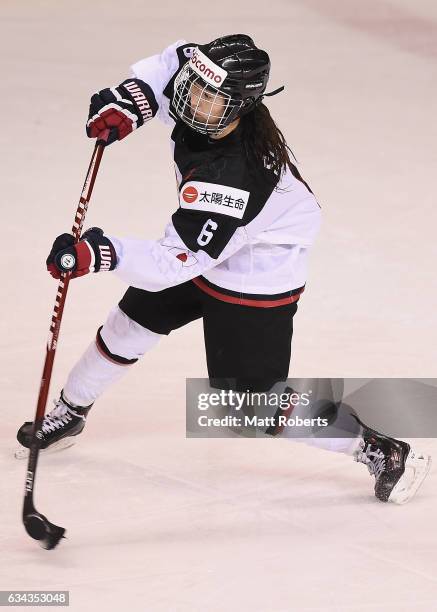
[238, 233]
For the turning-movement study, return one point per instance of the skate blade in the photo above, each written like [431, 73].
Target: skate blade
[23, 453]
[417, 467]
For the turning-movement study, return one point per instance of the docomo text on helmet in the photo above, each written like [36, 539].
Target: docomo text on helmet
[204, 67]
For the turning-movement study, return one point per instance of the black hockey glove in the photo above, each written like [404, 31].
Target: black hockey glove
[120, 109]
[93, 253]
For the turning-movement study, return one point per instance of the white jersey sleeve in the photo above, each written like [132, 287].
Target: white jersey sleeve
[157, 264]
[157, 71]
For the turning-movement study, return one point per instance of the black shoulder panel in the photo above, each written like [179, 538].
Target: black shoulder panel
[219, 191]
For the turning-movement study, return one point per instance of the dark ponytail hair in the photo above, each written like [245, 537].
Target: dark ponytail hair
[264, 142]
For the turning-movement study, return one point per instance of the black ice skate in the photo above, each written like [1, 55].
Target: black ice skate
[398, 469]
[59, 427]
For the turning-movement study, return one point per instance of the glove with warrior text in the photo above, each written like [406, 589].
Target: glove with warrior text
[120, 109]
[93, 253]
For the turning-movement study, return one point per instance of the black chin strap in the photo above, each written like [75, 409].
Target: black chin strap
[273, 93]
[252, 105]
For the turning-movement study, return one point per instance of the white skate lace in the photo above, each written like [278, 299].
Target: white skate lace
[374, 459]
[57, 418]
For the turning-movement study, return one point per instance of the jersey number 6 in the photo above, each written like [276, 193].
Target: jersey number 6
[207, 232]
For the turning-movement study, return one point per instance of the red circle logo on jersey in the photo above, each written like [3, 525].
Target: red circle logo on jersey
[190, 194]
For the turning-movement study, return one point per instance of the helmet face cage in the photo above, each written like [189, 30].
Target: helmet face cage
[191, 91]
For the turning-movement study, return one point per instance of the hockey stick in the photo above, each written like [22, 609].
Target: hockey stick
[36, 524]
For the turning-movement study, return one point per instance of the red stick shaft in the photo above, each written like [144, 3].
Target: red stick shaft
[63, 284]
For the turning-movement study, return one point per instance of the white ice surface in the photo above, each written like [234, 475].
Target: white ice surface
[157, 522]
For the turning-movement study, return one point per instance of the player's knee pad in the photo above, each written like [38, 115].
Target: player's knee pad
[123, 340]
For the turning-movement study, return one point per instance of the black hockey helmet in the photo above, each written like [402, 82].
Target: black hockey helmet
[231, 73]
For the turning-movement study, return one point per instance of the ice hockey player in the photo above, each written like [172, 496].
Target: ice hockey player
[234, 252]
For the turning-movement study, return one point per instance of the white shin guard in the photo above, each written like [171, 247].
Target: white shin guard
[344, 433]
[348, 446]
[125, 341]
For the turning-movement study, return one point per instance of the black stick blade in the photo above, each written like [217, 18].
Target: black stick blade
[41, 529]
